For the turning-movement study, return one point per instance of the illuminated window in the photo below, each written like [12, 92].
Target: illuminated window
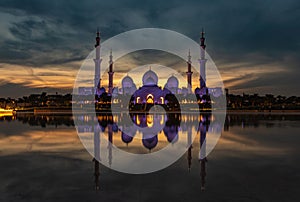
[150, 99]
[150, 120]
[138, 120]
[138, 99]
[162, 100]
[162, 119]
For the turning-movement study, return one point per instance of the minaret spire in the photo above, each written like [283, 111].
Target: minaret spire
[97, 38]
[189, 73]
[202, 61]
[97, 60]
[110, 73]
[110, 57]
[202, 39]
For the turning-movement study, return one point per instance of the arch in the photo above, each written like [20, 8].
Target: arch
[150, 99]
[162, 100]
[138, 99]
[150, 120]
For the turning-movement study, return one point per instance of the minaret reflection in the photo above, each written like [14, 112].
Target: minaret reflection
[190, 145]
[96, 173]
[171, 124]
[171, 127]
[110, 142]
[96, 155]
[104, 121]
[203, 128]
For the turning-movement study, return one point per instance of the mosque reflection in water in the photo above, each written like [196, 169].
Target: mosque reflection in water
[160, 130]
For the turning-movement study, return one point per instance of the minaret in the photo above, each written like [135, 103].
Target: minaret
[202, 61]
[97, 155]
[110, 74]
[189, 73]
[97, 60]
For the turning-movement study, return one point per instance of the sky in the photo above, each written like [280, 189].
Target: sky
[255, 44]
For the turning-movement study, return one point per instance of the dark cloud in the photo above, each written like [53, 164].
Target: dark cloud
[255, 32]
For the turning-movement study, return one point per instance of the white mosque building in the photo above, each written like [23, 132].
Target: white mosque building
[150, 92]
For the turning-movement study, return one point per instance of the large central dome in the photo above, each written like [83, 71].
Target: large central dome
[150, 78]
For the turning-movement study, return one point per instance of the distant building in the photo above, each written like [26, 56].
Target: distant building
[85, 90]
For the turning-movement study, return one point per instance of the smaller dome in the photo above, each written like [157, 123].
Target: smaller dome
[115, 127]
[100, 91]
[127, 82]
[172, 82]
[126, 138]
[151, 142]
[150, 78]
[197, 90]
[171, 132]
[115, 91]
[102, 128]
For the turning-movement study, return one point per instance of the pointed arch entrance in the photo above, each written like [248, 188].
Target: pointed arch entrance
[150, 99]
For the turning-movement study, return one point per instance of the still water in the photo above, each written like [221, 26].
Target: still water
[255, 159]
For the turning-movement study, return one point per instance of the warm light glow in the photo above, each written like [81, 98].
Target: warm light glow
[6, 112]
[162, 119]
[150, 99]
[162, 100]
[138, 99]
[150, 120]
[51, 76]
[137, 120]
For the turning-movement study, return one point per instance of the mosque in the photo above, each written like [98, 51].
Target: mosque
[144, 97]
[150, 93]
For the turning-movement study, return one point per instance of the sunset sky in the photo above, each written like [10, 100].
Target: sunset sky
[255, 44]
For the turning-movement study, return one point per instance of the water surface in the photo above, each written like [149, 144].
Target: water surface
[256, 159]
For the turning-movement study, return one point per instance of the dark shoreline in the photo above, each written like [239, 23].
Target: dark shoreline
[70, 111]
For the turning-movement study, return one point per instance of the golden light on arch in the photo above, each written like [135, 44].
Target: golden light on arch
[138, 99]
[162, 120]
[150, 99]
[150, 120]
[138, 122]
[162, 100]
